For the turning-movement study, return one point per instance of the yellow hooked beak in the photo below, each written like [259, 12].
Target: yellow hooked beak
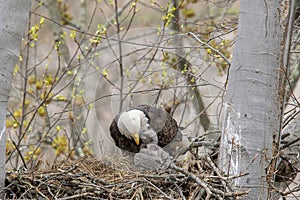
[136, 138]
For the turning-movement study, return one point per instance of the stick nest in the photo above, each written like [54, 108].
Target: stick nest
[89, 178]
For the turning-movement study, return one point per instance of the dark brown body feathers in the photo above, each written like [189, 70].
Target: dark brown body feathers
[161, 122]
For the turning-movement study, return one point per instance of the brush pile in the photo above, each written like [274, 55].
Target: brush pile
[89, 178]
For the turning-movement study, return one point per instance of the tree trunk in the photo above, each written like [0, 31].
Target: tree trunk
[13, 20]
[252, 103]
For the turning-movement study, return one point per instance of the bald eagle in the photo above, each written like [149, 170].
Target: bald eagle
[138, 126]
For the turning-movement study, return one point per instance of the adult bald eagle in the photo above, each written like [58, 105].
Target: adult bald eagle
[138, 126]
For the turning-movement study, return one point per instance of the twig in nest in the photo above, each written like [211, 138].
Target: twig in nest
[217, 171]
[165, 195]
[193, 145]
[195, 178]
[290, 143]
[209, 189]
[82, 195]
[180, 191]
[140, 194]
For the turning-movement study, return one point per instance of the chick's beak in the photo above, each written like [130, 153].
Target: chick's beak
[136, 138]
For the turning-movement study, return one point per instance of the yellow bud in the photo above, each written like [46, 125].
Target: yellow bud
[42, 111]
[31, 79]
[18, 113]
[39, 84]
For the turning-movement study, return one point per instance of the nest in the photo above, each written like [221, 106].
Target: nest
[89, 178]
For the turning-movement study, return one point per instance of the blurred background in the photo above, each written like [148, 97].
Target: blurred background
[82, 62]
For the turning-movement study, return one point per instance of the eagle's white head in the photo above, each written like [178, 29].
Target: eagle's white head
[131, 123]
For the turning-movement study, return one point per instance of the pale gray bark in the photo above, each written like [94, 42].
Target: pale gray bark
[13, 20]
[252, 105]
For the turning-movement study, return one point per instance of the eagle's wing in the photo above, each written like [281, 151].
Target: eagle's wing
[162, 123]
